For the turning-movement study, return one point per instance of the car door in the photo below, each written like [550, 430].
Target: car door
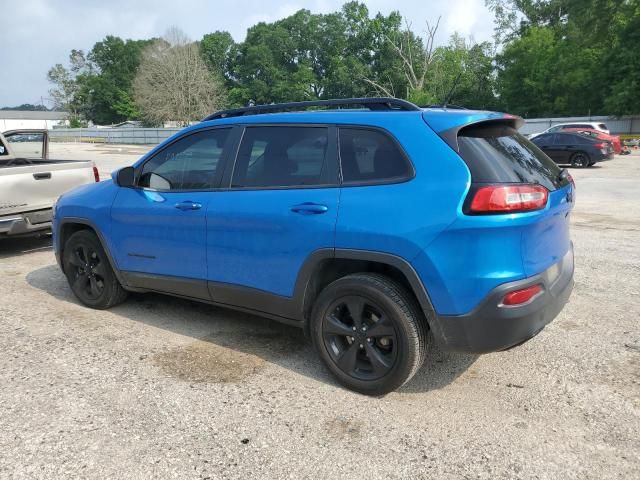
[159, 226]
[280, 207]
[570, 143]
[545, 143]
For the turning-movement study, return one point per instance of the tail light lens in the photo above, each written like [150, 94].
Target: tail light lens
[599, 145]
[518, 297]
[508, 199]
[96, 175]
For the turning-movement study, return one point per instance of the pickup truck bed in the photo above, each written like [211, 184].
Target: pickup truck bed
[28, 189]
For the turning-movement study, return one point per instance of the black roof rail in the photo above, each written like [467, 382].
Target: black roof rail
[448, 105]
[378, 104]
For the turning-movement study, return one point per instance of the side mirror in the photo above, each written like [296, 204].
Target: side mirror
[125, 177]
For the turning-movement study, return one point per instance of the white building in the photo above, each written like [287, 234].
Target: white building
[19, 119]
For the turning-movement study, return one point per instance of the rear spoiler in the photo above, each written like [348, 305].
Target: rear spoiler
[450, 135]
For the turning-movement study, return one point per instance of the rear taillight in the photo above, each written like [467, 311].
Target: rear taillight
[599, 145]
[96, 175]
[518, 297]
[508, 199]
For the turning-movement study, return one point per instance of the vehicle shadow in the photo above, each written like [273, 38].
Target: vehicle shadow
[227, 342]
[16, 246]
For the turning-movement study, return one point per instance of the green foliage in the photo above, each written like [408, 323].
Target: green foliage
[218, 50]
[568, 57]
[554, 57]
[107, 89]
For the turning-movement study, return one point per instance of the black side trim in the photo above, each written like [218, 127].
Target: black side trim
[197, 290]
[401, 264]
[186, 287]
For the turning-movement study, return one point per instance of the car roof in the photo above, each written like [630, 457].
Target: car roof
[439, 119]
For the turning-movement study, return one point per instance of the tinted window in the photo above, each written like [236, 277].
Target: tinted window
[603, 126]
[281, 157]
[370, 155]
[543, 139]
[571, 138]
[26, 145]
[190, 163]
[499, 154]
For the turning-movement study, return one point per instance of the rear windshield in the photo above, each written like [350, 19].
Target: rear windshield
[499, 154]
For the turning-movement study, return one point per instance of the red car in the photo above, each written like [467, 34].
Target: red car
[614, 139]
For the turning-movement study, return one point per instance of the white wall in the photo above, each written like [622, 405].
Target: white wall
[16, 124]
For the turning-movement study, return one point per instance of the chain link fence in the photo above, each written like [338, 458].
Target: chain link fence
[131, 136]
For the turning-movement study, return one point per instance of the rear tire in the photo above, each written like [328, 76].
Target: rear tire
[89, 273]
[369, 332]
[580, 159]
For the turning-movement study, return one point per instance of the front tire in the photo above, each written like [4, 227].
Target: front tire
[369, 332]
[89, 273]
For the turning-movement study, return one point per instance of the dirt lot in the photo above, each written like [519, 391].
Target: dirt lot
[166, 388]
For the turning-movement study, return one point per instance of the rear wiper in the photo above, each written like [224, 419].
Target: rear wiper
[563, 175]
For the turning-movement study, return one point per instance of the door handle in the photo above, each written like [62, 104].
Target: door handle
[188, 205]
[309, 208]
[42, 176]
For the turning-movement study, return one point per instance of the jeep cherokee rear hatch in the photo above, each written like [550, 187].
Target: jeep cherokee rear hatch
[516, 209]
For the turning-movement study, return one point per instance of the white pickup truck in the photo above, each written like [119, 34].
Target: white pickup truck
[30, 183]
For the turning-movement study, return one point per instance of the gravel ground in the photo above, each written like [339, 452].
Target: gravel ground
[167, 388]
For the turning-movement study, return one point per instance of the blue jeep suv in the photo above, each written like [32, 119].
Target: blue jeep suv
[369, 227]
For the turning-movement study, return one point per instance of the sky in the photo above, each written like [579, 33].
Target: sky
[37, 34]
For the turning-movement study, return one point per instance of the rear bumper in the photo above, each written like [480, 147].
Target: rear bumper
[26, 223]
[491, 327]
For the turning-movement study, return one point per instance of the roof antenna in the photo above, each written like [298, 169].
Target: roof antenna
[453, 88]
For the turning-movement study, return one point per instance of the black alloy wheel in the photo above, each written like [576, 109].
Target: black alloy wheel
[360, 338]
[580, 159]
[89, 273]
[369, 331]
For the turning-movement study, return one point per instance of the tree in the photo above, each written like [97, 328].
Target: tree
[65, 85]
[218, 49]
[416, 56]
[105, 91]
[173, 84]
[567, 57]
[463, 70]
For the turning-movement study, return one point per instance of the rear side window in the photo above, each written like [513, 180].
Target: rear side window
[370, 156]
[281, 157]
[603, 126]
[499, 154]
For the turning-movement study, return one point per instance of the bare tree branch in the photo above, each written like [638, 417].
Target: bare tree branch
[173, 83]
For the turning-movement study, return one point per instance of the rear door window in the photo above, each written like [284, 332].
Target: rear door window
[371, 156]
[281, 157]
[499, 154]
